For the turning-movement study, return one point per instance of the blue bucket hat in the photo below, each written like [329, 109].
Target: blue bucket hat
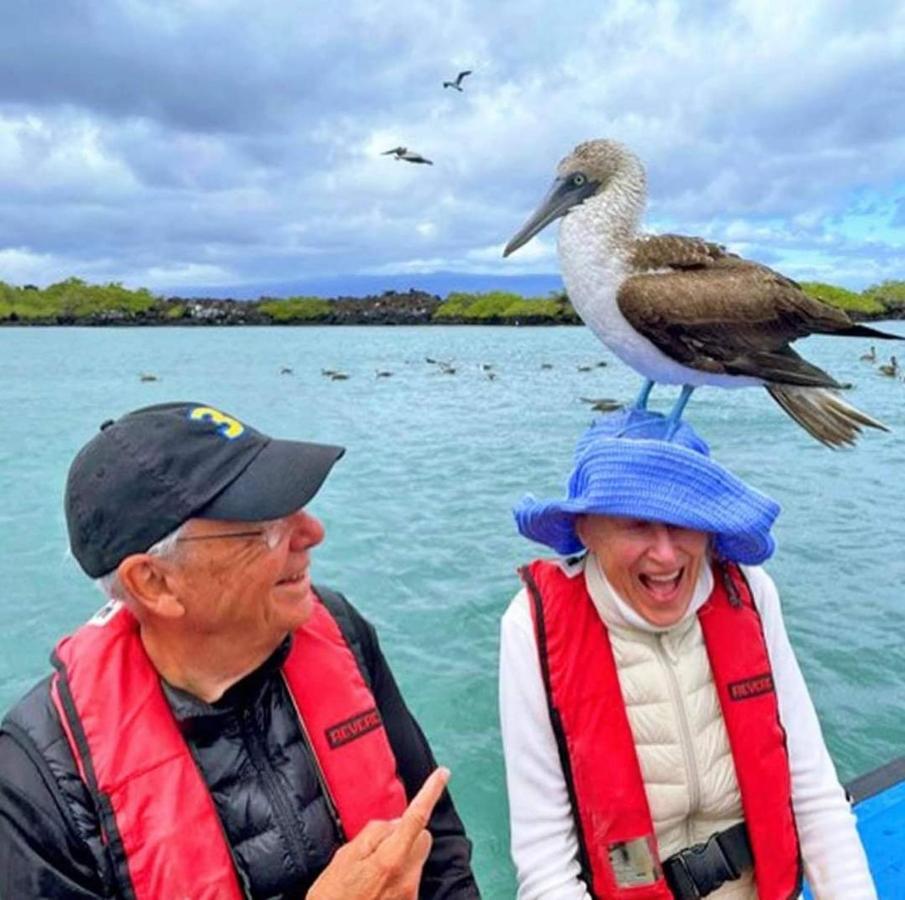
[625, 465]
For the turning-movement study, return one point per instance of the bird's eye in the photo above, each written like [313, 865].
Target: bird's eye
[578, 179]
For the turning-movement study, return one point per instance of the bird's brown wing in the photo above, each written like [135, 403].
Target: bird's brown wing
[651, 252]
[718, 313]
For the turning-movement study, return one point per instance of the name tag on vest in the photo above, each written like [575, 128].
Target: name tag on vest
[350, 729]
[751, 687]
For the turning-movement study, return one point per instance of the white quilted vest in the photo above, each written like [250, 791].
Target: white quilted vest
[675, 717]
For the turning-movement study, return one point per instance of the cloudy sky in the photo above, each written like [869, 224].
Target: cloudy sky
[174, 144]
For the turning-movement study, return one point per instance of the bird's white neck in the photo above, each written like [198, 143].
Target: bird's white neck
[606, 223]
[595, 245]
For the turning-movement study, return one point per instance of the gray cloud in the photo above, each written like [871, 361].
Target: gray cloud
[143, 141]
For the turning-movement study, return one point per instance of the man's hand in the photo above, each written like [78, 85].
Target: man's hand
[384, 860]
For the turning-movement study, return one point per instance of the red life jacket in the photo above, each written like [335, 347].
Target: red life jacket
[157, 816]
[595, 740]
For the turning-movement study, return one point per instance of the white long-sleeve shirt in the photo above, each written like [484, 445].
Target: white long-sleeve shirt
[544, 838]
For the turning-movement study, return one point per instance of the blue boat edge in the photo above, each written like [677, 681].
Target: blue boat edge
[879, 805]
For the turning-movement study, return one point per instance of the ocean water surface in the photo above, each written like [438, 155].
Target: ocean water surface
[418, 513]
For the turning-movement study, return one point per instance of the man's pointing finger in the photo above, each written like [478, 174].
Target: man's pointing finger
[414, 820]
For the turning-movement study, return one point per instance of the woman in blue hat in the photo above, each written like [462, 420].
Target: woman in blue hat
[659, 738]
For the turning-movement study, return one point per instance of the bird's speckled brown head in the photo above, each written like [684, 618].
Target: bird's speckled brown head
[599, 160]
[590, 169]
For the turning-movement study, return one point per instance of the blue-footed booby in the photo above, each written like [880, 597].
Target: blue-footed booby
[682, 310]
[457, 84]
[407, 155]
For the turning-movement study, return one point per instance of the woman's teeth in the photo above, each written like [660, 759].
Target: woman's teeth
[661, 582]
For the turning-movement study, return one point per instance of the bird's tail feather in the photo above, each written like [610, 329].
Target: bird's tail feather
[867, 331]
[823, 413]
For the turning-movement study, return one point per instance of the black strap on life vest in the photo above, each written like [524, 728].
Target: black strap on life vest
[699, 870]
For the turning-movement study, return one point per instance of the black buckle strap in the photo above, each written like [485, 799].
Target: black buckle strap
[699, 870]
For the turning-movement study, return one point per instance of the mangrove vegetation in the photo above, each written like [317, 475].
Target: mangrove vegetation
[75, 302]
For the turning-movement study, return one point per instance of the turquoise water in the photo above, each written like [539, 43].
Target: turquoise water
[419, 533]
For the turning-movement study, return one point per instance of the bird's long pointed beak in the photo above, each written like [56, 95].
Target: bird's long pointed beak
[561, 197]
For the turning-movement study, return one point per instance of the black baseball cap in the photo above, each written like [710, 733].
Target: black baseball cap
[145, 473]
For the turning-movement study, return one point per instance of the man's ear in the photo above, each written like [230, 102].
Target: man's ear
[150, 582]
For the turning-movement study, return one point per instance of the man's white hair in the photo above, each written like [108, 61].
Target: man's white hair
[112, 586]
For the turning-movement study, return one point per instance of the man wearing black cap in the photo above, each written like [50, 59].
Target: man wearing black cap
[219, 728]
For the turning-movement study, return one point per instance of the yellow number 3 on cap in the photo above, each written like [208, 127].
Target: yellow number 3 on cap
[229, 427]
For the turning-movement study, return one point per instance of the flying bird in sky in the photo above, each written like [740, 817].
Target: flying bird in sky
[682, 310]
[407, 155]
[457, 84]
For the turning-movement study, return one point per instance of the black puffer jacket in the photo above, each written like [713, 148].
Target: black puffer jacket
[257, 766]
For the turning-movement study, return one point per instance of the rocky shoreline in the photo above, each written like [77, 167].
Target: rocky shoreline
[390, 308]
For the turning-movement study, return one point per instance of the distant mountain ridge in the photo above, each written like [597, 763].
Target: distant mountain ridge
[439, 283]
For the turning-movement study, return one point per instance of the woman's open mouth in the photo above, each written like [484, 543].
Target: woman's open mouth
[665, 587]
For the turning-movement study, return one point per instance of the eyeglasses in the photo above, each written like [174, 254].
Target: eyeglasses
[271, 533]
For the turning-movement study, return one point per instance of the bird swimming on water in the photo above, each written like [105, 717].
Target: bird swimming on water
[407, 155]
[457, 84]
[682, 310]
[602, 404]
